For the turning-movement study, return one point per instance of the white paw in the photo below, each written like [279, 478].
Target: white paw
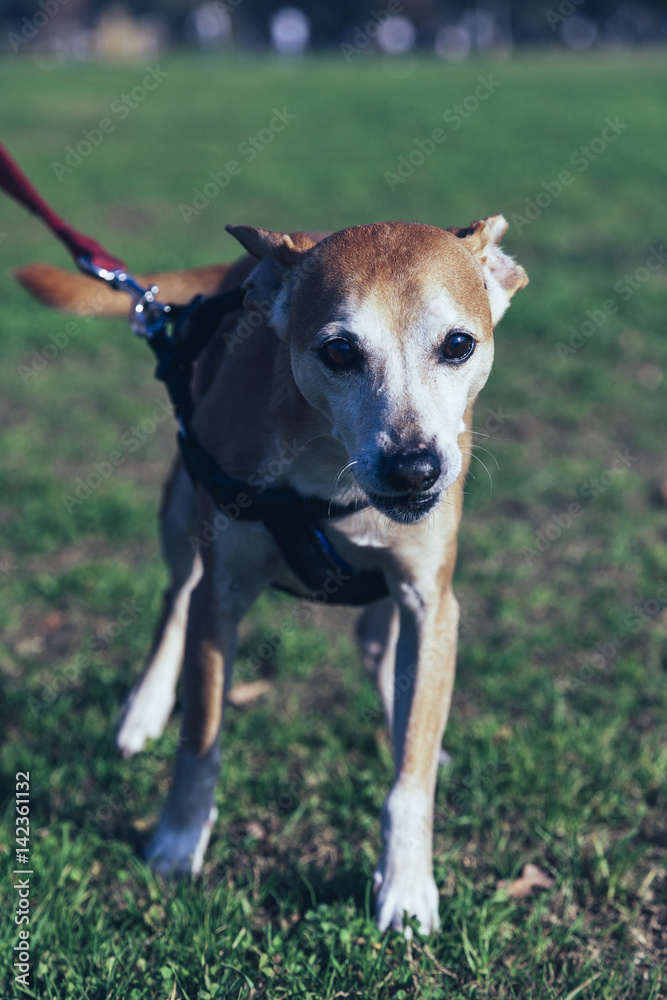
[177, 852]
[144, 716]
[398, 893]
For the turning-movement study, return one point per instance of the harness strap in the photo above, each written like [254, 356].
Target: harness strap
[293, 522]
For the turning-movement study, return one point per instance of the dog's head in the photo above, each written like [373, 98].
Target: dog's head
[390, 328]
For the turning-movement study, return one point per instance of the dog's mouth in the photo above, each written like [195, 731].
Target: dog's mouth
[404, 508]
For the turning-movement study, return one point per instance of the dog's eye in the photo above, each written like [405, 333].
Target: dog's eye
[339, 354]
[458, 346]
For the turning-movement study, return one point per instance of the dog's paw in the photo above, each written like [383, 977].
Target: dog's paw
[175, 853]
[144, 716]
[398, 894]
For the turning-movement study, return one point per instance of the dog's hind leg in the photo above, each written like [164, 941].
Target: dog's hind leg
[149, 705]
[377, 631]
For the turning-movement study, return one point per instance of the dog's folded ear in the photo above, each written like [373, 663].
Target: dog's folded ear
[268, 285]
[503, 277]
[286, 248]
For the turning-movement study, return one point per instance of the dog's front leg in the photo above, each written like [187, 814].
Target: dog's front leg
[231, 580]
[424, 678]
[185, 825]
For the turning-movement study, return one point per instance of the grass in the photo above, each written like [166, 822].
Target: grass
[557, 732]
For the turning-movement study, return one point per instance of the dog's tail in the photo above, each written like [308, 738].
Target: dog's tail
[84, 296]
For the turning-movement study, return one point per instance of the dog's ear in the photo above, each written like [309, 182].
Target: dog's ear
[281, 257]
[502, 276]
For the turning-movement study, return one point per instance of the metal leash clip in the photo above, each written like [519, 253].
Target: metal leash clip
[149, 316]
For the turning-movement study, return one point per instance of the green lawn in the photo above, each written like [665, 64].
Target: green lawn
[557, 733]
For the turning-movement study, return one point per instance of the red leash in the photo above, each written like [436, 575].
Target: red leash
[14, 182]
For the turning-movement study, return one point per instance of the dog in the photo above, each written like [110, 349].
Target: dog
[364, 350]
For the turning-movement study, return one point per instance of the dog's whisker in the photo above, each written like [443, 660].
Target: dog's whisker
[346, 469]
[490, 453]
[472, 455]
[314, 438]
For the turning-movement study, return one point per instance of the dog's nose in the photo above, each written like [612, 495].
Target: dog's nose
[410, 471]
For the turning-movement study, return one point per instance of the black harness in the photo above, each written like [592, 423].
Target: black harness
[293, 520]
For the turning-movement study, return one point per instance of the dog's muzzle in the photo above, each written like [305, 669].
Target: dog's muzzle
[405, 508]
[408, 488]
[409, 484]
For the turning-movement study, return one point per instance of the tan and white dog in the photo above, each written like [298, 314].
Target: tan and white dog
[367, 355]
